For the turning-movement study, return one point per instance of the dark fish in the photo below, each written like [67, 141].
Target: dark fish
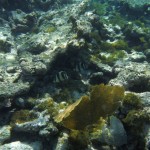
[80, 66]
[60, 77]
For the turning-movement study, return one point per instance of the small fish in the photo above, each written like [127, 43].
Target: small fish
[80, 66]
[60, 77]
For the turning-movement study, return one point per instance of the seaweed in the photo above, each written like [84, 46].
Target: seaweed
[117, 19]
[101, 9]
[103, 101]
[22, 116]
[137, 118]
[132, 100]
[50, 29]
[117, 45]
[114, 56]
[48, 105]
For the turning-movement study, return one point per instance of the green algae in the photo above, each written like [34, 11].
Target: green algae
[50, 29]
[114, 56]
[95, 35]
[137, 115]
[51, 106]
[134, 122]
[95, 58]
[132, 100]
[117, 45]
[100, 8]
[22, 116]
[108, 58]
[110, 52]
[117, 19]
[48, 105]
[136, 118]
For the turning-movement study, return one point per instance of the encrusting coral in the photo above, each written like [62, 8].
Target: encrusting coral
[103, 101]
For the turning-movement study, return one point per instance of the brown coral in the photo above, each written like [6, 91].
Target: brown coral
[103, 100]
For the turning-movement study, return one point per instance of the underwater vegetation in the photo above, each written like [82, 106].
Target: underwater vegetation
[48, 104]
[51, 107]
[136, 3]
[22, 116]
[117, 45]
[112, 57]
[135, 113]
[133, 101]
[101, 9]
[135, 123]
[117, 19]
[135, 118]
[103, 101]
[112, 52]
[109, 58]
[50, 29]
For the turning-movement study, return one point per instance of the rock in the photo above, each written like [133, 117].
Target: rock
[147, 53]
[40, 38]
[11, 58]
[13, 89]
[22, 22]
[34, 44]
[1, 78]
[31, 67]
[5, 118]
[114, 32]
[22, 146]
[137, 3]
[114, 133]
[145, 96]
[104, 68]
[20, 102]
[96, 78]
[84, 27]
[137, 56]
[134, 77]
[5, 45]
[5, 133]
[11, 69]
[34, 125]
[62, 143]
[147, 135]
[49, 131]
[45, 5]
[10, 90]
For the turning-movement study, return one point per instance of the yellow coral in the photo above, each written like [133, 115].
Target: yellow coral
[103, 101]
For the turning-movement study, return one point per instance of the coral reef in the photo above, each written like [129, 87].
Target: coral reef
[74, 74]
[136, 3]
[103, 101]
